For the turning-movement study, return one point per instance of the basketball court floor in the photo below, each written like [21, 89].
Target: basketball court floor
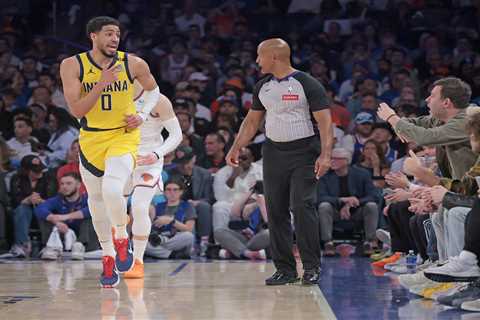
[201, 289]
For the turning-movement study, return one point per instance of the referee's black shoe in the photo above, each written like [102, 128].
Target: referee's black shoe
[280, 278]
[311, 277]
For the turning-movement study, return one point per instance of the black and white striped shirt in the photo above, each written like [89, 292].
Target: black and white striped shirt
[289, 103]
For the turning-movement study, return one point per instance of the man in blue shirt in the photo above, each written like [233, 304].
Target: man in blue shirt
[66, 216]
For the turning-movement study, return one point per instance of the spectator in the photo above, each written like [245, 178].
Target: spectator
[215, 150]
[373, 160]
[41, 95]
[172, 225]
[30, 71]
[185, 120]
[347, 193]
[6, 120]
[197, 191]
[362, 131]
[232, 183]
[23, 143]
[48, 81]
[189, 18]
[383, 134]
[29, 188]
[72, 165]
[66, 216]
[64, 132]
[246, 238]
[39, 120]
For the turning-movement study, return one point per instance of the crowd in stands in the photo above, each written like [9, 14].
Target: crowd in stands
[412, 181]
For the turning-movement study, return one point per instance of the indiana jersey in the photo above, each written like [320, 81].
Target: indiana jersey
[103, 133]
[116, 100]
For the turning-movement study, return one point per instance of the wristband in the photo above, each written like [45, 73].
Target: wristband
[392, 115]
[158, 157]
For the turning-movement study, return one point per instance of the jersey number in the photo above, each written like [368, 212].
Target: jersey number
[106, 102]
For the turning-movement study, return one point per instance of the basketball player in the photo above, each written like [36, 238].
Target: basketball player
[98, 87]
[147, 176]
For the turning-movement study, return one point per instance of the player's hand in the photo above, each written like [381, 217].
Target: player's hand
[232, 157]
[146, 160]
[110, 75]
[384, 111]
[322, 165]
[133, 121]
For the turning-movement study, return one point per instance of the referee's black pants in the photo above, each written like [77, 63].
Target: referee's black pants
[289, 181]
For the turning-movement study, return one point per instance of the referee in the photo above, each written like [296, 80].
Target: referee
[291, 163]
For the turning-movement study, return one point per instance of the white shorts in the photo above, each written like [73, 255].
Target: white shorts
[146, 176]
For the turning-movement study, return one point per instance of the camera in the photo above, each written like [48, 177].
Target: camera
[258, 187]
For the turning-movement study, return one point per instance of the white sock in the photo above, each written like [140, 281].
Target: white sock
[139, 249]
[468, 257]
[121, 231]
[107, 248]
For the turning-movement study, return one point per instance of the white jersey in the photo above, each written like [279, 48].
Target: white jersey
[150, 131]
[151, 139]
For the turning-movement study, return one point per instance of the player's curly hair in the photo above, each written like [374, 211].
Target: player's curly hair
[96, 24]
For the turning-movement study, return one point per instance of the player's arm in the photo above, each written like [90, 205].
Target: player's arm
[141, 72]
[70, 75]
[164, 110]
[248, 129]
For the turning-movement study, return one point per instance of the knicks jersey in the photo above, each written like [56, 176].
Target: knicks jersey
[150, 131]
[103, 133]
[116, 100]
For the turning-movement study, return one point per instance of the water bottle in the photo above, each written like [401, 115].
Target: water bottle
[411, 261]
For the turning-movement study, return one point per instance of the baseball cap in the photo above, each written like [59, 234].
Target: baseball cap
[199, 76]
[33, 163]
[183, 154]
[364, 117]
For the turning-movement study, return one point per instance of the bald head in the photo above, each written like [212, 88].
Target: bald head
[277, 47]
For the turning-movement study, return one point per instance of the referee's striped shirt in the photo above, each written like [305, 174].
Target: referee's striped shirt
[289, 103]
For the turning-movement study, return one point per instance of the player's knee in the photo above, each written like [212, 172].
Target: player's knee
[140, 209]
[112, 187]
[141, 226]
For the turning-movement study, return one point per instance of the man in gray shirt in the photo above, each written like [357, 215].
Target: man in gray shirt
[290, 101]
